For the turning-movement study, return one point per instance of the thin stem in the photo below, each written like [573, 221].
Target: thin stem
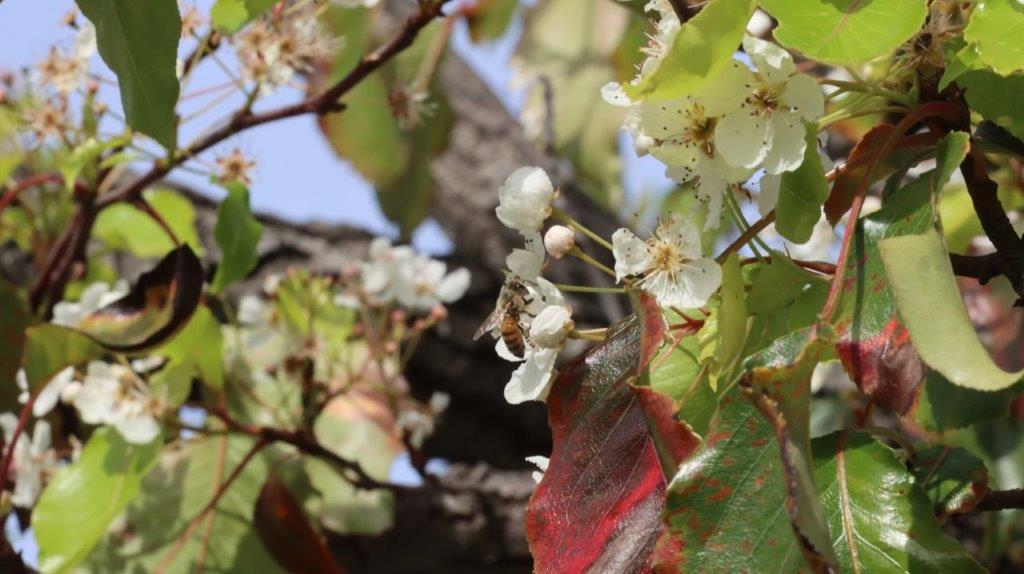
[587, 289]
[29, 182]
[747, 236]
[577, 253]
[564, 217]
[1002, 499]
[5, 466]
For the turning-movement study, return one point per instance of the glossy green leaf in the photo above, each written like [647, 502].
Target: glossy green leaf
[154, 533]
[237, 233]
[679, 376]
[943, 405]
[801, 195]
[488, 19]
[845, 31]
[94, 489]
[995, 29]
[50, 348]
[139, 41]
[14, 319]
[938, 323]
[995, 97]
[776, 284]
[346, 509]
[159, 304]
[736, 492]
[126, 227]
[231, 15]
[954, 479]
[730, 322]
[200, 345]
[700, 50]
[881, 520]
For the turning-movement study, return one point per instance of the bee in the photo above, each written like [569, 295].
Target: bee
[506, 317]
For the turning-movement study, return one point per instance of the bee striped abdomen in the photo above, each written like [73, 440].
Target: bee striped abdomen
[512, 334]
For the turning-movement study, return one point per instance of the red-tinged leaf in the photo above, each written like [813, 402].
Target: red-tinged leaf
[287, 533]
[600, 504]
[954, 479]
[733, 505]
[158, 305]
[14, 319]
[673, 439]
[874, 345]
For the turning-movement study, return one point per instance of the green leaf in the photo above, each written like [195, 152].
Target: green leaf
[200, 345]
[231, 15]
[845, 31]
[801, 194]
[936, 318]
[995, 97]
[776, 284]
[960, 59]
[125, 227]
[679, 376]
[346, 509]
[488, 19]
[994, 30]
[943, 405]
[14, 319]
[139, 41]
[701, 49]
[237, 234]
[730, 321]
[954, 479]
[881, 520]
[153, 536]
[95, 489]
[50, 348]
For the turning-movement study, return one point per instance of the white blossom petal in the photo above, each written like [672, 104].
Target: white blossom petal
[742, 139]
[541, 462]
[701, 278]
[630, 252]
[773, 62]
[677, 155]
[51, 392]
[551, 326]
[524, 201]
[532, 380]
[726, 92]
[788, 144]
[804, 96]
[453, 286]
[665, 119]
[613, 94]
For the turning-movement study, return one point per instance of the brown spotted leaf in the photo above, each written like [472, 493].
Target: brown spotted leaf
[954, 479]
[599, 506]
[158, 305]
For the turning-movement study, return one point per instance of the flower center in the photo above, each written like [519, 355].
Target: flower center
[700, 129]
[765, 99]
[665, 257]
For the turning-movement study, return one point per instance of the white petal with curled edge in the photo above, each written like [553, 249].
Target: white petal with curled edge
[803, 94]
[788, 143]
[700, 279]
[532, 380]
[773, 62]
[741, 138]
[630, 252]
[613, 94]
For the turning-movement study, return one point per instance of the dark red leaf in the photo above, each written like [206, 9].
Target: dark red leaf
[160, 303]
[287, 533]
[885, 366]
[599, 507]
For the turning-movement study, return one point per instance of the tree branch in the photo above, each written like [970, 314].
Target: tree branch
[1002, 500]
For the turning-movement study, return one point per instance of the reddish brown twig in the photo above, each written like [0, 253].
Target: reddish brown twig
[746, 236]
[5, 466]
[27, 183]
[1002, 499]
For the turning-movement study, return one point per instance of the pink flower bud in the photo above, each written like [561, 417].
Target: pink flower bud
[558, 240]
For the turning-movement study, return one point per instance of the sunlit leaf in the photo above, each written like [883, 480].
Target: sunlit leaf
[124, 226]
[801, 195]
[993, 29]
[158, 305]
[488, 19]
[954, 479]
[237, 233]
[935, 317]
[199, 346]
[50, 348]
[231, 15]
[995, 97]
[701, 49]
[140, 44]
[881, 520]
[95, 489]
[286, 532]
[845, 31]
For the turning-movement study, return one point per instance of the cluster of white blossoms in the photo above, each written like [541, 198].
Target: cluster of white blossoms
[33, 461]
[273, 51]
[115, 395]
[67, 69]
[743, 120]
[400, 275]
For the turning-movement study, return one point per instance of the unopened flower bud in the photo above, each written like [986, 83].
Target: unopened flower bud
[398, 317]
[551, 326]
[92, 86]
[559, 240]
[439, 313]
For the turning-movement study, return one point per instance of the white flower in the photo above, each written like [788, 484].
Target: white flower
[379, 271]
[669, 264]
[559, 240]
[417, 426]
[541, 462]
[52, 392]
[532, 380]
[526, 263]
[439, 402]
[551, 326]
[424, 283]
[253, 311]
[112, 394]
[769, 127]
[32, 461]
[524, 202]
[68, 71]
[96, 296]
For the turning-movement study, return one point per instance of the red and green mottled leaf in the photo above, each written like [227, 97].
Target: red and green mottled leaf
[599, 507]
[881, 520]
[158, 305]
[287, 533]
[954, 479]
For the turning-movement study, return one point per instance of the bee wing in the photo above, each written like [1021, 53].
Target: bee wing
[492, 321]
